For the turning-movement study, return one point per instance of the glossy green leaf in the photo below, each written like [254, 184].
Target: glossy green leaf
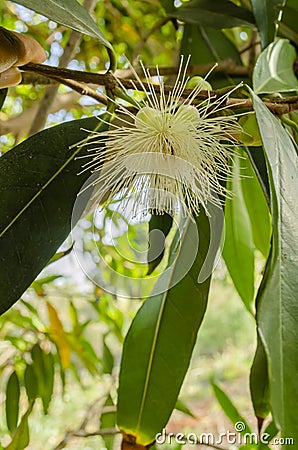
[258, 162]
[181, 406]
[238, 250]
[108, 421]
[273, 71]
[214, 46]
[31, 382]
[107, 359]
[38, 187]
[277, 298]
[288, 26]
[216, 14]
[230, 409]
[43, 366]
[159, 343]
[257, 207]
[69, 13]
[3, 93]
[168, 5]
[159, 227]
[270, 431]
[20, 439]
[259, 383]
[59, 336]
[267, 13]
[12, 402]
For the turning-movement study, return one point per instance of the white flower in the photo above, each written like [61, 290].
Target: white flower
[173, 150]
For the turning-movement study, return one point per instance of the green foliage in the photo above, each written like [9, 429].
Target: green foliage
[21, 439]
[278, 292]
[267, 13]
[12, 402]
[230, 410]
[3, 93]
[38, 187]
[69, 13]
[216, 14]
[58, 335]
[154, 376]
[238, 250]
[159, 227]
[259, 383]
[274, 69]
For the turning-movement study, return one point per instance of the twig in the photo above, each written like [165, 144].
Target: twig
[160, 23]
[227, 66]
[103, 432]
[51, 91]
[80, 431]
[277, 106]
[82, 89]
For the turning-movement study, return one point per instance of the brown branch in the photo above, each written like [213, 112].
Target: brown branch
[82, 89]
[276, 106]
[103, 432]
[51, 91]
[227, 66]
[81, 430]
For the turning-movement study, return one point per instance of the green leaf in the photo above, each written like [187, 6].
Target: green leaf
[159, 227]
[159, 343]
[108, 421]
[59, 336]
[168, 5]
[38, 188]
[31, 382]
[181, 406]
[288, 26]
[107, 359]
[259, 383]
[12, 402]
[49, 367]
[238, 251]
[3, 93]
[216, 14]
[69, 13]
[213, 45]
[273, 71]
[43, 366]
[270, 430]
[20, 439]
[229, 408]
[257, 159]
[257, 207]
[277, 298]
[267, 13]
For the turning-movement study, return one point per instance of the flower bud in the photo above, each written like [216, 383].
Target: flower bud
[17, 50]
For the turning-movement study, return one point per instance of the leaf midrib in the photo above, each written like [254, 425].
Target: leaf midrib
[38, 193]
[156, 334]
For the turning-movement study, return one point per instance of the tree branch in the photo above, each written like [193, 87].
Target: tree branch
[276, 106]
[51, 91]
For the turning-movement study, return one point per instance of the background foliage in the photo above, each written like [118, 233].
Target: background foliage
[63, 340]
